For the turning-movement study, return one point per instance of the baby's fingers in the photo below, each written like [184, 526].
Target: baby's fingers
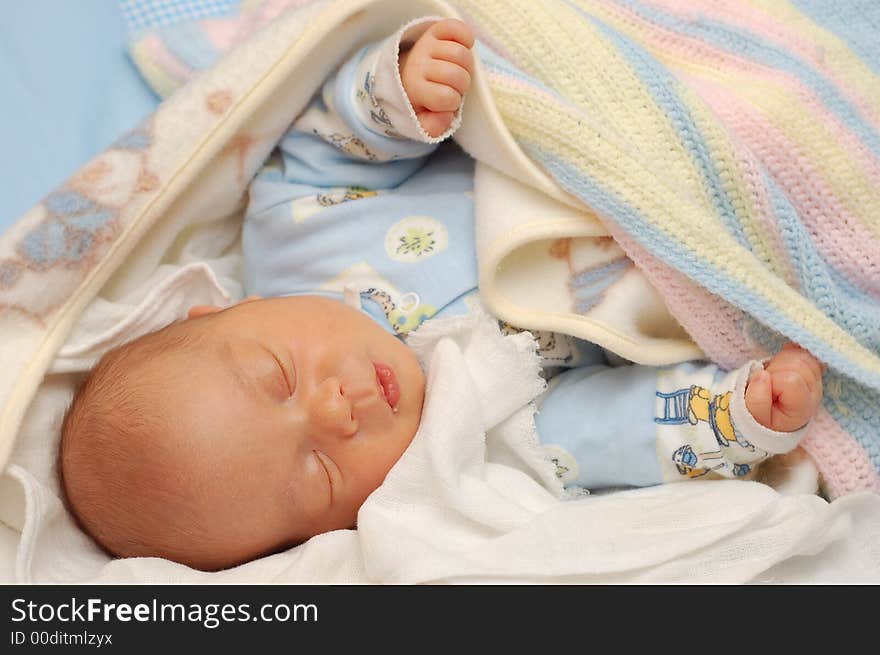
[435, 97]
[454, 53]
[793, 401]
[759, 398]
[435, 123]
[451, 29]
[444, 72]
[793, 353]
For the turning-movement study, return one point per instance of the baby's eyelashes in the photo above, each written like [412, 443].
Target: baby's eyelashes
[286, 378]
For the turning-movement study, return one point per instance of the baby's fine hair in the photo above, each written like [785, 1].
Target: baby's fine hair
[110, 457]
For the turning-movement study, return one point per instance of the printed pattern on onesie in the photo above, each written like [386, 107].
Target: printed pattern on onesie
[348, 204]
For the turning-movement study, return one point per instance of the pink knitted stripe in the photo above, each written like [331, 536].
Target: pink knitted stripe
[751, 19]
[856, 150]
[754, 191]
[222, 32]
[269, 10]
[264, 13]
[841, 238]
[843, 464]
[741, 15]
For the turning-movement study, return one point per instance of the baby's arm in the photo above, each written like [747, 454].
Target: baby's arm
[357, 139]
[639, 426]
[436, 73]
[409, 87]
[376, 118]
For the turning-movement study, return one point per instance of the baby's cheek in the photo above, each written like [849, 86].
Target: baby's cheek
[371, 470]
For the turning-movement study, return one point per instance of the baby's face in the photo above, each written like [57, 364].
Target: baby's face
[289, 414]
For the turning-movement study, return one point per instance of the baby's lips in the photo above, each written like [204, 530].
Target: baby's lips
[388, 383]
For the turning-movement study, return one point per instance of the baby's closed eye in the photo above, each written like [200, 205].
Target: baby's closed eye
[285, 377]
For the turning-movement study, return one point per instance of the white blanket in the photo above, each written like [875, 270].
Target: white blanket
[472, 499]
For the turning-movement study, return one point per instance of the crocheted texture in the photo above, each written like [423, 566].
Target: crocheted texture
[731, 147]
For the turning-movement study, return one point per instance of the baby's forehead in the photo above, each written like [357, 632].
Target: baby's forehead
[161, 368]
[181, 341]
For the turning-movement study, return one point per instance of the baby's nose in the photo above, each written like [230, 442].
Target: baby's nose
[330, 411]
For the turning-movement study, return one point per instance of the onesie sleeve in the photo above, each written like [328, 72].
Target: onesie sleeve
[364, 110]
[380, 100]
[356, 142]
[639, 426]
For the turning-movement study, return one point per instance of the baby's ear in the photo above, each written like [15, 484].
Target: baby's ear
[202, 310]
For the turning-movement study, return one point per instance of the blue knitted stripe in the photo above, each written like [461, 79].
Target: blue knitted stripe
[837, 297]
[857, 412]
[856, 22]
[188, 42]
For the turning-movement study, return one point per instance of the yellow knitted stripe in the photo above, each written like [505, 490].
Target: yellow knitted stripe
[554, 44]
[736, 185]
[548, 40]
[618, 103]
[844, 175]
[156, 77]
[725, 157]
[831, 55]
[787, 111]
[556, 130]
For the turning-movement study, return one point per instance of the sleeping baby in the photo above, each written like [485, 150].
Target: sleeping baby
[243, 431]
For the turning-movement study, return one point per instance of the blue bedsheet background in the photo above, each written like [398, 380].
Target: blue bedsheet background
[68, 90]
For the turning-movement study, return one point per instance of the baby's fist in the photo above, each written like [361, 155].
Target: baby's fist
[787, 393]
[436, 73]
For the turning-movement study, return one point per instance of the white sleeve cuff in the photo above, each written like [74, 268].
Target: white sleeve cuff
[385, 101]
[756, 434]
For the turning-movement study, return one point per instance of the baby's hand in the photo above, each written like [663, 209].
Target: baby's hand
[436, 73]
[786, 394]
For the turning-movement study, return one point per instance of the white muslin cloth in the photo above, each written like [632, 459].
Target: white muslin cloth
[474, 499]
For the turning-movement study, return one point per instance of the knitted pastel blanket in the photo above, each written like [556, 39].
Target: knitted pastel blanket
[732, 147]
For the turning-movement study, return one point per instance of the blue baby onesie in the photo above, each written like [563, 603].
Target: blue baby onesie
[346, 202]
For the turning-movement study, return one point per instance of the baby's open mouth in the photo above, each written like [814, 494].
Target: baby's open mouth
[388, 383]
